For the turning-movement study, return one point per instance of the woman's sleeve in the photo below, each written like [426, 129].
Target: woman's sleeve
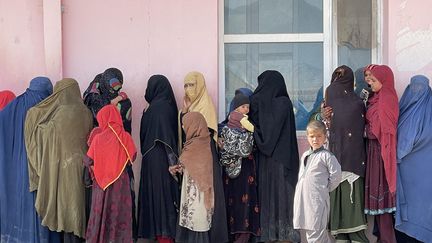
[335, 172]
[88, 175]
[172, 157]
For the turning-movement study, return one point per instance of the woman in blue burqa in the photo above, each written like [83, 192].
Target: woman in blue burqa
[414, 167]
[18, 219]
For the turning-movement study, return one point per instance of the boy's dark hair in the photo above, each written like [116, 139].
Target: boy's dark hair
[316, 125]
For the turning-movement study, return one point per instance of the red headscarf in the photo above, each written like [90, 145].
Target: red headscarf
[382, 117]
[112, 147]
[6, 96]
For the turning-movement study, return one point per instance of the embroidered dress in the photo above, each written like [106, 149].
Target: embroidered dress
[347, 143]
[242, 200]
[193, 213]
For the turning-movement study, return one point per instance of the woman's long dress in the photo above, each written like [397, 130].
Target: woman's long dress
[111, 211]
[158, 196]
[241, 195]
[218, 232]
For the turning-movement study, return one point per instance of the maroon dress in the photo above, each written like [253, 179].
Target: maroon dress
[111, 211]
[378, 199]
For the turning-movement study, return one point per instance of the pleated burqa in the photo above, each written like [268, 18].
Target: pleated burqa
[18, 219]
[56, 133]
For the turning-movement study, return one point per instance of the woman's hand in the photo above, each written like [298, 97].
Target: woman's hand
[116, 100]
[326, 112]
[186, 104]
[220, 142]
[175, 169]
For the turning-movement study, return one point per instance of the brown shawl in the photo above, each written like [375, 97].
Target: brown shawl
[196, 155]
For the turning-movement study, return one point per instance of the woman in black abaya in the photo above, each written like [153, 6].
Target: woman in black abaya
[158, 192]
[271, 112]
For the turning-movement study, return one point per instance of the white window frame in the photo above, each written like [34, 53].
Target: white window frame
[328, 38]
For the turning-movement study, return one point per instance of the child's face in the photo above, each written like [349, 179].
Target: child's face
[244, 109]
[316, 138]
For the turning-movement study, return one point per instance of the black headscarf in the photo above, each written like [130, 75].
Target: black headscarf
[347, 123]
[110, 84]
[272, 113]
[93, 99]
[113, 73]
[159, 121]
[93, 87]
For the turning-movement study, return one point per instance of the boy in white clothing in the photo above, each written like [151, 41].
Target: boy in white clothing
[319, 174]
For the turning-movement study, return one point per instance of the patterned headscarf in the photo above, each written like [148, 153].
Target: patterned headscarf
[111, 83]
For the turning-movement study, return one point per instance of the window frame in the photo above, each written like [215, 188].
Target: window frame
[328, 38]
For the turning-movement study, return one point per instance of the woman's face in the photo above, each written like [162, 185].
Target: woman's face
[190, 89]
[374, 83]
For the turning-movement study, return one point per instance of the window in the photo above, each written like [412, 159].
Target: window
[303, 39]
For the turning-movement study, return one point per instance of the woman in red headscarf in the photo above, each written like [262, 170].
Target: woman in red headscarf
[381, 127]
[6, 96]
[111, 149]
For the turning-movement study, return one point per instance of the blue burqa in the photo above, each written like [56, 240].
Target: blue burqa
[414, 154]
[18, 219]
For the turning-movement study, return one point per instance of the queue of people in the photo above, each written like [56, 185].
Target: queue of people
[66, 162]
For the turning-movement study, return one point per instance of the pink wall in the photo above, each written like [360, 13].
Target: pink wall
[168, 37]
[22, 54]
[409, 43]
[141, 38]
